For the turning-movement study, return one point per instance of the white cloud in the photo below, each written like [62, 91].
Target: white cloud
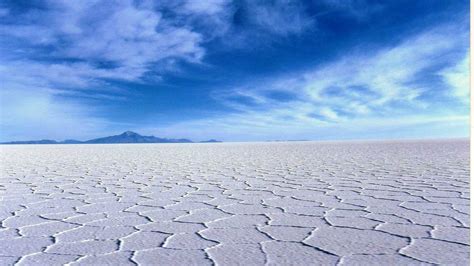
[360, 82]
[29, 75]
[134, 37]
[458, 78]
[125, 36]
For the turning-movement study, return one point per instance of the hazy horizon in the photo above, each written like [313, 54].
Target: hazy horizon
[235, 70]
[199, 141]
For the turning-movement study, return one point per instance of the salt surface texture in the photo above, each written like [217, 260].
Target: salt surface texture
[299, 203]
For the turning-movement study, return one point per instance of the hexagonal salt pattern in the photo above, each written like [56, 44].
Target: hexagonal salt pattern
[298, 203]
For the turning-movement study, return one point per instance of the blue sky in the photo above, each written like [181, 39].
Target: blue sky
[234, 70]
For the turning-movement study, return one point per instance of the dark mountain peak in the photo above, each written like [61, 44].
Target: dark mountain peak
[132, 137]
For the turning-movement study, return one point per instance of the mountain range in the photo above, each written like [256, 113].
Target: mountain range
[126, 137]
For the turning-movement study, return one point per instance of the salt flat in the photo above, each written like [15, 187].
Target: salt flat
[294, 203]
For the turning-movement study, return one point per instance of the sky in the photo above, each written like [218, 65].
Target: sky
[242, 70]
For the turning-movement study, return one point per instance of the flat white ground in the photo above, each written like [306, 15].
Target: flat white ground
[298, 203]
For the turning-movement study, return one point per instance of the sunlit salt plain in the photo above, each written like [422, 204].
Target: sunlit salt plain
[286, 203]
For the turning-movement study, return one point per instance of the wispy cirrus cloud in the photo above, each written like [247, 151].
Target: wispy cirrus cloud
[383, 80]
[386, 88]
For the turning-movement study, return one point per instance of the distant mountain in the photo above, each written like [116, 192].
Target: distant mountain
[126, 137]
[210, 141]
[43, 141]
[132, 137]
